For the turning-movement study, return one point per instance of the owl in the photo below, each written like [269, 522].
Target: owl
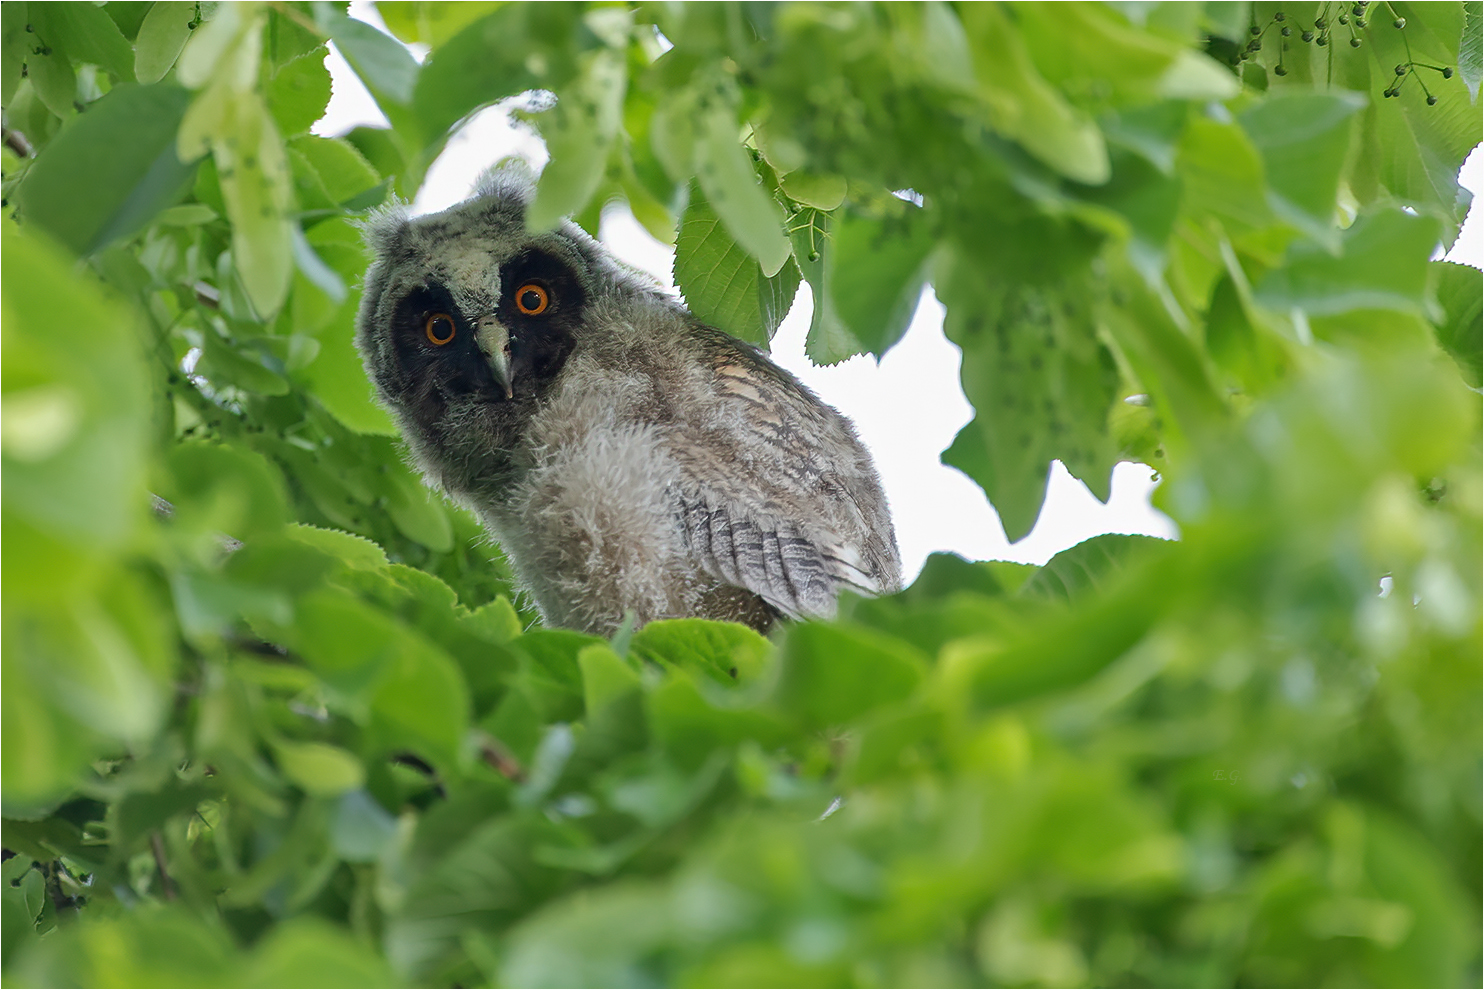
[626, 457]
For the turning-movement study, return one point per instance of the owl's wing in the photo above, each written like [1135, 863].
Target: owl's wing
[798, 575]
[778, 496]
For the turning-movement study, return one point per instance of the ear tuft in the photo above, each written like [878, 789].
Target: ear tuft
[510, 180]
[385, 228]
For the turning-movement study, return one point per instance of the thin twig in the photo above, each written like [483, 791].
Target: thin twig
[16, 141]
[501, 760]
[157, 846]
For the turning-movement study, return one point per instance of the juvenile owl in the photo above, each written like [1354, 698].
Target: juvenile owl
[624, 455]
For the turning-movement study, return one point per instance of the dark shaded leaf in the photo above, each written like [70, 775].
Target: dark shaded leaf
[87, 200]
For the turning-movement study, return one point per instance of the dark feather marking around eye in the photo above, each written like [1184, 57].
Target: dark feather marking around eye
[548, 273]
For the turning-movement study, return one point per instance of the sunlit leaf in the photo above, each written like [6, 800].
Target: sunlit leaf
[725, 286]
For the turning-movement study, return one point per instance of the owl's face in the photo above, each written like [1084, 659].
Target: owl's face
[466, 306]
[467, 321]
[500, 340]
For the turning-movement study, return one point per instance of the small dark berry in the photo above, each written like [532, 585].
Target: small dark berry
[1359, 23]
[1343, 19]
[1447, 72]
[1323, 40]
[1400, 22]
[1358, 10]
[1280, 71]
[1354, 42]
[1401, 70]
[1319, 23]
[1280, 16]
[1307, 36]
[1287, 31]
[1432, 101]
[1256, 30]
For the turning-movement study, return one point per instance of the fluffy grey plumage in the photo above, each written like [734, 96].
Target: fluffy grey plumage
[624, 455]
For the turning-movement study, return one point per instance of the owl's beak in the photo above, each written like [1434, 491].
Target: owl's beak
[494, 340]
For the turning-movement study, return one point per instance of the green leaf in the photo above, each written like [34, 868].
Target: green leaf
[230, 119]
[1459, 290]
[54, 79]
[1303, 138]
[15, 50]
[347, 547]
[1382, 265]
[878, 266]
[830, 340]
[517, 47]
[312, 267]
[431, 24]
[346, 642]
[1024, 107]
[550, 672]
[1089, 567]
[20, 904]
[723, 285]
[578, 133]
[690, 723]
[382, 62]
[1066, 649]
[256, 190]
[418, 513]
[298, 95]
[822, 192]
[727, 177]
[1148, 200]
[235, 363]
[726, 652]
[1176, 373]
[87, 34]
[604, 677]
[220, 488]
[85, 656]
[320, 769]
[307, 951]
[361, 828]
[1411, 148]
[156, 945]
[1042, 383]
[831, 675]
[161, 38]
[76, 405]
[1470, 64]
[87, 200]
[616, 926]
[423, 704]
[338, 379]
[343, 170]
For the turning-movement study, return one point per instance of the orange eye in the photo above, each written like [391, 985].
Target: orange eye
[531, 299]
[439, 328]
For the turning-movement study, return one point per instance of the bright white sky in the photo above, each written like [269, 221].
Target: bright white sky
[934, 507]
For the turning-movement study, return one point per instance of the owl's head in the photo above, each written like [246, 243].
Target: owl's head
[466, 307]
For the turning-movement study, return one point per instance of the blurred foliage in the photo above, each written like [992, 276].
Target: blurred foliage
[272, 717]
